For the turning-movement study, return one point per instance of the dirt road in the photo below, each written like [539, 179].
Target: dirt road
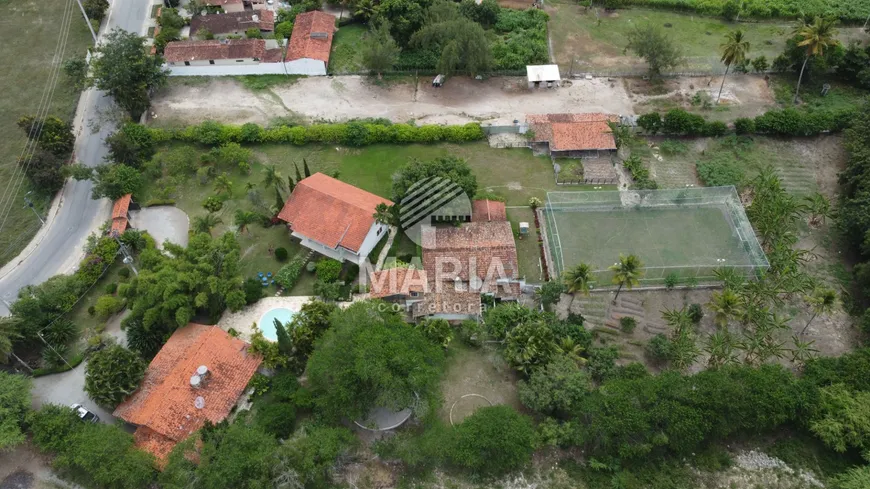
[461, 100]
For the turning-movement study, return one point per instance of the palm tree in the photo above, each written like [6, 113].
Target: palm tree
[802, 352]
[272, 177]
[734, 50]
[223, 184]
[815, 37]
[679, 319]
[383, 214]
[684, 350]
[726, 305]
[627, 272]
[822, 300]
[730, 277]
[577, 280]
[570, 348]
[819, 208]
[243, 219]
[204, 224]
[720, 348]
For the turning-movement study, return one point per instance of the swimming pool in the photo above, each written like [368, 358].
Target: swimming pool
[267, 322]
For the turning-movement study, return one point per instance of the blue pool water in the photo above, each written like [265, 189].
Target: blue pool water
[267, 322]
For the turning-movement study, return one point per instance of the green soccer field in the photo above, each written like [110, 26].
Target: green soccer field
[688, 241]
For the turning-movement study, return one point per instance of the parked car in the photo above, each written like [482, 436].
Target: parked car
[84, 414]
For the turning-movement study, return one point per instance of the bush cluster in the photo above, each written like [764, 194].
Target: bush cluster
[785, 122]
[847, 10]
[639, 173]
[351, 134]
[288, 275]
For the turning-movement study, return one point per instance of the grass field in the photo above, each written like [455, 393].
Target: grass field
[598, 41]
[693, 238]
[30, 32]
[346, 55]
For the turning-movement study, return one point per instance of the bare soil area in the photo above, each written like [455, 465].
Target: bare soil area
[25, 468]
[742, 95]
[481, 372]
[460, 100]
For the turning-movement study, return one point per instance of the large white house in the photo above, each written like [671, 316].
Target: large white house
[334, 218]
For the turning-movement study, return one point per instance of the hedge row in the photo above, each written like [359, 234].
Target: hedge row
[847, 10]
[351, 134]
[785, 122]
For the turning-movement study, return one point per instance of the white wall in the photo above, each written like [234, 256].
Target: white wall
[306, 66]
[373, 238]
[343, 254]
[217, 62]
[227, 69]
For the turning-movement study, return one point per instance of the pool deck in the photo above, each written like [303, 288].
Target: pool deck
[245, 321]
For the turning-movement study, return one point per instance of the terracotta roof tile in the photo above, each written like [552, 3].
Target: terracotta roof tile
[484, 248]
[180, 51]
[233, 22]
[274, 55]
[121, 206]
[164, 402]
[331, 212]
[397, 281]
[447, 300]
[488, 210]
[573, 132]
[312, 36]
[220, 3]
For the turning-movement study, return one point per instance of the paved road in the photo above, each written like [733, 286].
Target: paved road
[60, 245]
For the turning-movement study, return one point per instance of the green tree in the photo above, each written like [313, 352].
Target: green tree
[53, 134]
[627, 272]
[823, 300]
[273, 178]
[309, 456]
[124, 69]
[204, 224]
[734, 50]
[76, 69]
[530, 345]
[283, 30]
[370, 358]
[576, 280]
[815, 38]
[45, 171]
[52, 426]
[721, 349]
[449, 167]
[242, 219]
[14, 405]
[556, 388]
[405, 17]
[115, 181]
[253, 33]
[437, 331]
[843, 421]
[550, 293]
[223, 185]
[238, 456]
[461, 42]
[494, 440]
[802, 352]
[384, 214]
[854, 478]
[379, 50]
[726, 305]
[107, 457]
[112, 374]
[132, 145]
[650, 42]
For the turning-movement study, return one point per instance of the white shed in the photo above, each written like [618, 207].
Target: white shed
[543, 76]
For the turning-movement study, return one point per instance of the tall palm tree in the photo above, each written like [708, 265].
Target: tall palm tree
[570, 348]
[243, 219]
[577, 280]
[223, 184]
[204, 224]
[734, 50]
[627, 272]
[272, 177]
[815, 37]
[822, 300]
[726, 305]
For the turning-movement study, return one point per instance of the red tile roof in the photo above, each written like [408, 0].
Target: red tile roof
[220, 3]
[180, 51]
[119, 215]
[573, 132]
[485, 250]
[397, 281]
[331, 212]
[232, 22]
[163, 406]
[447, 300]
[488, 210]
[312, 36]
[274, 55]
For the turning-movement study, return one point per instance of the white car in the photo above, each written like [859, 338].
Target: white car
[84, 414]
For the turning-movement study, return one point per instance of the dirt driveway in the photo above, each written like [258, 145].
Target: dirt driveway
[461, 100]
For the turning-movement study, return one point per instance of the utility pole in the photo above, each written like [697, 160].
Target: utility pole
[88, 22]
[128, 260]
[52, 349]
[29, 203]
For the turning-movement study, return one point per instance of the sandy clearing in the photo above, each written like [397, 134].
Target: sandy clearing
[461, 100]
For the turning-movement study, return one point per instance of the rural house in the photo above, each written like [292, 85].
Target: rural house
[235, 23]
[543, 76]
[198, 376]
[574, 135]
[310, 43]
[121, 214]
[334, 218]
[215, 52]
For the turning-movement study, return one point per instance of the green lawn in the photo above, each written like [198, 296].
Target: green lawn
[528, 249]
[577, 35]
[346, 55]
[30, 30]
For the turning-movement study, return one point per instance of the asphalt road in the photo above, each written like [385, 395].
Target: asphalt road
[61, 245]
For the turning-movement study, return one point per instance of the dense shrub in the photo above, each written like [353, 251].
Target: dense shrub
[107, 305]
[639, 173]
[493, 440]
[289, 273]
[276, 418]
[253, 290]
[281, 254]
[847, 10]
[328, 270]
[744, 125]
[720, 173]
[651, 122]
[112, 374]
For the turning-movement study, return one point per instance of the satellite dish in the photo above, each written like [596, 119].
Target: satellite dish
[199, 402]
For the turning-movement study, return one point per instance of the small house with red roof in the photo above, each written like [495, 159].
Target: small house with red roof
[310, 43]
[574, 135]
[334, 218]
[198, 376]
[121, 215]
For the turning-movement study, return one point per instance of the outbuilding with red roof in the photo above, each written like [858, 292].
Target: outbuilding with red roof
[310, 43]
[334, 218]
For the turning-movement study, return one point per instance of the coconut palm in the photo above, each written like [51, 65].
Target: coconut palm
[726, 305]
[734, 50]
[819, 208]
[242, 219]
[272, 177]
[627, 272]
[577, 280]
[802, 352]
[570, 348]
[223, 184]
[822, 300]
[815, 37]
[204, 224]
[383, 214]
